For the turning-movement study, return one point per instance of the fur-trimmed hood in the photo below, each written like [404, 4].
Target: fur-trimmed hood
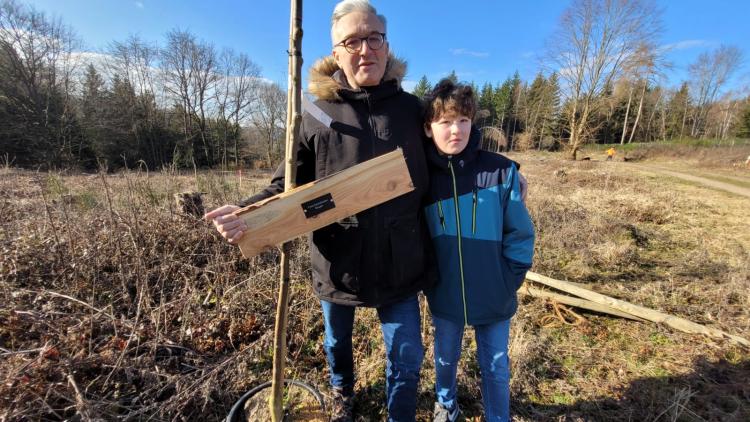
[326, 78]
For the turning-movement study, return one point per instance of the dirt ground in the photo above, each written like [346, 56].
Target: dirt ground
[736, 184]
[118, 306]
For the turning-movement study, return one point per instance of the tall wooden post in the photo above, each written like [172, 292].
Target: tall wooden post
[293, 119]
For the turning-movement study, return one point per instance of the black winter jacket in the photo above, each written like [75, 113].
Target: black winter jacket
[380, 255]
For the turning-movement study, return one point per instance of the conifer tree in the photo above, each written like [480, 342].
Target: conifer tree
[503, 103]
[678, 112]
[743, 126]
[486, 101]
[422, 87]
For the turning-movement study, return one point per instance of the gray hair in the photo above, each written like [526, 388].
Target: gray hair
[345, 7]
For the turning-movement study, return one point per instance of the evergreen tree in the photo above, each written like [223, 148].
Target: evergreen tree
[486, 104]
[502, 101]
[743, 126]
[423, 87]
[678, 113]
[534, 102]
[550, 111]
[474, 87]
[92, 114]
[453, 77]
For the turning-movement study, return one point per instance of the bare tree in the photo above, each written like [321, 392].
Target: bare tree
[269, 119]
[134, 61]
[189, 70]
[36, 81]
[595, 42]
[709, 73]
[235, 93]
[647, 65]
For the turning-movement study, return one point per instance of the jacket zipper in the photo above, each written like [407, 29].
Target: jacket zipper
[376, 218]
[458, 237]
[441, 216]
[474, 211]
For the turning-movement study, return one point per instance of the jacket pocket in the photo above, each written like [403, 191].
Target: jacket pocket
[340, 250]
[407, 249]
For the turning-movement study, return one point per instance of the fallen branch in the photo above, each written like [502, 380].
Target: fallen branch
[574, 301]
[677, 323]
[6, 352]
[81, 405]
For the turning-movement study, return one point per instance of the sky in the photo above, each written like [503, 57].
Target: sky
[482, 40]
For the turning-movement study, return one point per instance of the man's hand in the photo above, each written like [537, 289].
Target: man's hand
[228, 224]
[524, 187]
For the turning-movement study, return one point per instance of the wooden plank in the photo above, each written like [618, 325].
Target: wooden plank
[574, 301]
[283, 217]
[678, 323]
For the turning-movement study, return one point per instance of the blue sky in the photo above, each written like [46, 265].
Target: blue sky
[482, 40]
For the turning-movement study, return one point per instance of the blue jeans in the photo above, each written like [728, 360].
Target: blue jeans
[400, 325]
[492, 354]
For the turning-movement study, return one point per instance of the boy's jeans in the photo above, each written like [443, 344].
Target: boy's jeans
[400, 325]
[492, 355]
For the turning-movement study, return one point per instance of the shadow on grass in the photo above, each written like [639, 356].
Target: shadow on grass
[712, 391]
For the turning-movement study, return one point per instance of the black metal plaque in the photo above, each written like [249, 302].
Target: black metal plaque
[318, 205]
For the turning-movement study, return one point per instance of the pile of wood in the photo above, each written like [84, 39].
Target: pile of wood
[538, 285]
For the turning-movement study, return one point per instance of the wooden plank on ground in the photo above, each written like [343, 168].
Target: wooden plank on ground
[574, 301]
[317, 204]
[639, 311]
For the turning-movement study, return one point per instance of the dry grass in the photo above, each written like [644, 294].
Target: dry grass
[116, 306]
[678, 248]
[726, 157]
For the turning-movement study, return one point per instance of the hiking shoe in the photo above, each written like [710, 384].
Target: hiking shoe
[442, 414]
[341, 406]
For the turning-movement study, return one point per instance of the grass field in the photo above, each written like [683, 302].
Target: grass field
[118, 306]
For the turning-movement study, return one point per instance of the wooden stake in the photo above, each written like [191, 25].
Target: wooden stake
[677, 323]
[293, 119]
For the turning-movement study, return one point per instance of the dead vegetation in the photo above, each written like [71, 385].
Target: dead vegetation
[727, 156]
[118, 306]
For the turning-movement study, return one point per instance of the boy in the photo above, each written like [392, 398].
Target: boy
[484, 241]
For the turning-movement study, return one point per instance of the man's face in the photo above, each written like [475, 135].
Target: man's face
[366, 67]
[450, 132]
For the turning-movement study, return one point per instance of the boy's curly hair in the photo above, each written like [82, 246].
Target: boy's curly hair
[449, 97]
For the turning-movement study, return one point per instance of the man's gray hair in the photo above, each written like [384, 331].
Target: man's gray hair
[345, 7]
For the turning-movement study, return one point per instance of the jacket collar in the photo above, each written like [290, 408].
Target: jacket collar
[327, 80]
[461, 160]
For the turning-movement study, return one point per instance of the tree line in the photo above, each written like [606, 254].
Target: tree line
[184, 104]
[190, 104]
[604, 81]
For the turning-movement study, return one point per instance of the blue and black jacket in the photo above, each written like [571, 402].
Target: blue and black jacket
[482, 234]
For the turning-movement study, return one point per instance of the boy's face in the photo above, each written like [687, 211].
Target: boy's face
[450, 132]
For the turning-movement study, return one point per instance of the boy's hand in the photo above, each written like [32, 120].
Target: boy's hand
[524, 187]
[228, 225]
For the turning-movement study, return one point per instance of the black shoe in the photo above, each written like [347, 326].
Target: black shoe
[341, 406]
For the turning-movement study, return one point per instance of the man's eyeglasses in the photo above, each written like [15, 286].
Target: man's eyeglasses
[354, 44]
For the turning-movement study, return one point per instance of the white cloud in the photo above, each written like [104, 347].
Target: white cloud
[408, 86]
[139, 4]
[84, 58]
[685, 44]
[465, 52]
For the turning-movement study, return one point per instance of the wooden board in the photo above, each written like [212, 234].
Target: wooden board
[678, 323]
[317, 204]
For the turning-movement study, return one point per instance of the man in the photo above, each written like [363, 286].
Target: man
[377, 258]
